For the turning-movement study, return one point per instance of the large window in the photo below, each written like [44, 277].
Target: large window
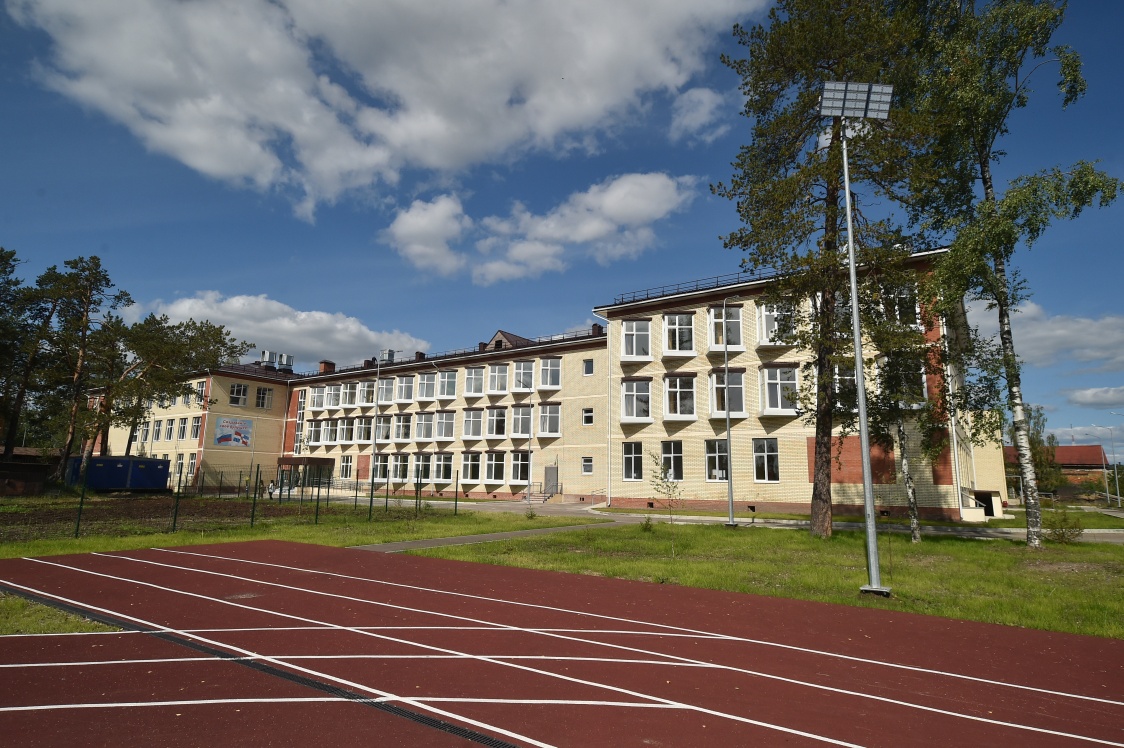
[846, 392]
[587, 367]
[635, 342]
[774, 324]
[379, 466]
[363, 430]
[400, 468]
[473, 424]
[550, 420]
[191, 464]
[524, 376]
[195, 424]
[779, 394]
[405, 393]
[635, 400]
[901, 305]
[474, 380]
[346, 462]
[520, 467]
[144, 432]
[493, 467]
[470, 467]
[382, 428]
[422, 467]
[332, 396]
[313, 432]
[442, 467]
[423, 428]
[347, 430]
[349, 394]
[679, 335]
[331, 432]
[427, 385]
[402, 427]
[445, 424]
[497, 422]
[671, 459]
[633, 453]
[200, 388]
[551, 373]
[717, 462]
[725, 395]
[386, 390]
[264, 398]
[181, 430]
[367, 393]
[521, 420]
[317, 400]
[446, 385]
[238, 394]
[156, 430]
[497, 379]
[766, 461]
[726, 332]
[169, 425]
[680, 402]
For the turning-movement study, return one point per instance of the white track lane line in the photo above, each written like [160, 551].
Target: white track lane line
[420, 704]
[200, 702]
[384, 695]
[688, 631]
[677, 658]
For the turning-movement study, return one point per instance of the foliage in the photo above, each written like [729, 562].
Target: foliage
[669, 490]
[1061, 527]
[1042, 446]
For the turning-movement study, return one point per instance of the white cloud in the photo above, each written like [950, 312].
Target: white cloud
[316, 98]
[273, 326]
[1042, 339]
[696, 114]
[422, 233]
[1097, 397]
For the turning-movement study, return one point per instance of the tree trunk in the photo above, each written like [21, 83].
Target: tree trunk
[825, 404]
[910, 488]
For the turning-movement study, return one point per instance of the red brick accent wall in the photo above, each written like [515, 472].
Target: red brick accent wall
[363, 468]
[290, 437]
[849, 469]
[942, 468]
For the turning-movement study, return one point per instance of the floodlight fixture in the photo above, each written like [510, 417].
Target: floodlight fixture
[859, 100]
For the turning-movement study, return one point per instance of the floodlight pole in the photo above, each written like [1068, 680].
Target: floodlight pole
[874, 575]
[726, 382]
[1115, 464]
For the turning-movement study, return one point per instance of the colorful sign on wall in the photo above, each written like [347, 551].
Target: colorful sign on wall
[233, 432]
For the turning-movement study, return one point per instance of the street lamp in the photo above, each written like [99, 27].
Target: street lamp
[726, 382]
[1115, 471]
[859, 101]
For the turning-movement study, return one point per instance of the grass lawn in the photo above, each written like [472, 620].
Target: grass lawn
[1072, 588]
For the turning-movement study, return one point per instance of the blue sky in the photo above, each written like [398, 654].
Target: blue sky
[331, 182]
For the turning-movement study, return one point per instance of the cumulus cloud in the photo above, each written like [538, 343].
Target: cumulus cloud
[695, 115]
[1097, 397]
[316, 97]
[1042, 339]
[274, 326]
[422, 232]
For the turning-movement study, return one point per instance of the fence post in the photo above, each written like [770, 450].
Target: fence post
[456, 493]
[176, 503]
[81, 501]
[371, 500]
[316, 518]
[386, 504]
[254, 504]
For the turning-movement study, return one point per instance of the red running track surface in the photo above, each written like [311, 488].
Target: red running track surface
[271, 643]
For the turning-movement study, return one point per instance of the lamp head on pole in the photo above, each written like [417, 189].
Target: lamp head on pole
[859, 100]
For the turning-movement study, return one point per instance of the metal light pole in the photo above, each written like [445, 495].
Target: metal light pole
[859, 101]
[1115, 472]
[726, 382]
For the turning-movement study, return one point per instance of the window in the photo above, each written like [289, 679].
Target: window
[179, 465]
[473, 423]
[474, 380]
[551, 377]
[187, 399]
[402, 427]
[196, 422]
[635, 405]
[317, 398]
[347, 430]
[424, 427]
[386, 390]
[497, 422]
[680, 403]
[298, 428]
[774, 324]
[144, 431]
[427, 385]
[379, 465]
[633, 461]
[332, 396]
[191, 465]
[723, 396]
[313, 432]
[264, 398]
[587, 416]
[671, 460]
[679, 335]
[238, 394]
[587, 466]
[587, 367]
[521, 420]
[421, 467]
[331, 432]
[367, 393]
[442, 467]
[445, 424]
[901, 305]
[446, 385]
[520, 467]
[846, 393]
[363, 430]
[524, 376]
[779, 393]
[400, 468]
[550, 420]
[634, 339]
[345, 467]
[349, 395]
[382, 428]
[717, 462]
[497, 378]
[156, 426]
[726, 333]
[173, 401]
[200, 388]
[405, 393]
[493, 467]
[470, 467]
[904, 378]
[181, 430]
[169, 427]
[766, 461]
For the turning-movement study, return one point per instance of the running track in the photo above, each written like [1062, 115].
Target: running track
[271, 643]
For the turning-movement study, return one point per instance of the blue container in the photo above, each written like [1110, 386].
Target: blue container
[121, 473]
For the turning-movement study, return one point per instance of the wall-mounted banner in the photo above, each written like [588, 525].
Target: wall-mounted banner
[233, 432]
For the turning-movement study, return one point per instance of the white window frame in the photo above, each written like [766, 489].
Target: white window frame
[775, 381]
[473, 424]
[400, 468]
[474, 380]
[717, 461]
[144, 431]
[520, 468]
[402, 427]
[423, 467]
[587, 367]
[169, 427]
[442, 467]
[314, 432]
[349, 394]
[368, 392]
[523, 379]
[720, 395]
[497, 379]
[427, 386]
[239, 393]
[196, 425]
[191, 462]
[181, 429]
[763, 449]
[497, 423]
[587, 416]
[550, 373]
[636, 401]
[332, 396]
[494, 464]
[363, 430]
[550, 419]
[587, 466]
[522, 417]
[443, 428]
[200, 390]
[423, 427]
[380, 467]
[386, 390]
[316, 400]
[347, 431]
[675, 324]
[636, 340]
[384, 428]
[729, 329]
[767, 316]
[632, 461]
[671, 459]
[470, 467]
[330, 434]
[674, 407]
[404, 391]
[347, 462]
[263, 398]
[446, 385]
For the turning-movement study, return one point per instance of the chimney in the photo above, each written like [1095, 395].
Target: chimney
[327, 367]
[419, 356]
[598, 329]
[483, 346]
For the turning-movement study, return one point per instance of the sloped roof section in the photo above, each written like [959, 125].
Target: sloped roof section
[1077, 456]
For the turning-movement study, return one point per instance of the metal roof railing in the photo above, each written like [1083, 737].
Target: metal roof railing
[702, 284]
